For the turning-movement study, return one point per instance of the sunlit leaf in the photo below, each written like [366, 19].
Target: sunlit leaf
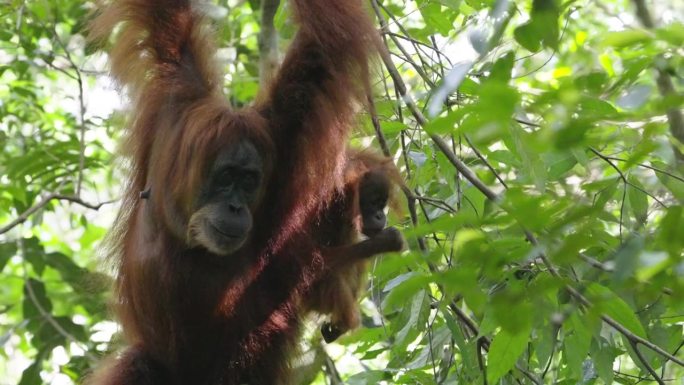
[626, 38]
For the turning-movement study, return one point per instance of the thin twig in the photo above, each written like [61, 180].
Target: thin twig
[622, 176]
[485, 161]
[376, 125]
[331, 370]
[407, 56]
[52, 196]
[623, 330]
[81, 111]
[436, 203]
[624, 190]
[681, 344]
[597, 264]
[480, 359]
[658, 170]
[644, 361]
[47, 316]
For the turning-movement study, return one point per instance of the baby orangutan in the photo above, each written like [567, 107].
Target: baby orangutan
[368, 182]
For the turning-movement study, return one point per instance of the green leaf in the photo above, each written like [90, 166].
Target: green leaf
[592, 82]
[607, 190]
[437, 17]
[615, 307]
[404, 286]
[603, 356]
[674, 185]
[596, 108]
[468, 350]
[416, 316]
[392, 127]
[671, 236]
[480, 4]
[544, 343]
[534, 167]
[371, 354]
[637, 199]
[504, 352]
[504, 157]
[7, 251]
[542, 28]
[497, 102]
[672, 33]
[627, 259]
[35, 299]
[444, 124]
[370, 377]
[527, 36]
[5, 35]
[436, 341]
[576, 344]
[31, 375]
[559, 164]
[501, 70]
[453, 4]
[573, 133]
[34, 254]
[626, 38]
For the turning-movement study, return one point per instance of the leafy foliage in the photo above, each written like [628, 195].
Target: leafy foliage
[542, 151]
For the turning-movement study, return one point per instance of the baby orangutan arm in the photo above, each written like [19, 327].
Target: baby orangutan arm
[387, 240]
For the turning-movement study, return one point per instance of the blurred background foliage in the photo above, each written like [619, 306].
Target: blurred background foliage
[541, 142]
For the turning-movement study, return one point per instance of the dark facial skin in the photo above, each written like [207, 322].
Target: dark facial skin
[373, 195]
[223, 219]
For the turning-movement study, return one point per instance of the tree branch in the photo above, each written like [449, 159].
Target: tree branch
[376, 125]
[52, 196]
[268, 41]
[644, 361]
[330, 369]
[665, 86]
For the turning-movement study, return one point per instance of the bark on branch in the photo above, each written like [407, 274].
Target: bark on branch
[268, 41]
[665, 86]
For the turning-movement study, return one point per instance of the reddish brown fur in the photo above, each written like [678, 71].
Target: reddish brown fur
[191, 317]
[337, 292]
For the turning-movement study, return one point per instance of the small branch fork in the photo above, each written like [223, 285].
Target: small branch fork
[494, 197]
[43, 202]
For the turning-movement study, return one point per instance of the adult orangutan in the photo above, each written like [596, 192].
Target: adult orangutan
[359, 209]
[210, 247]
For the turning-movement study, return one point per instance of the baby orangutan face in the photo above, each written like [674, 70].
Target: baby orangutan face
[374, 190]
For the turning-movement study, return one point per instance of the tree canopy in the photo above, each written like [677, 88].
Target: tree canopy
[542, 144]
